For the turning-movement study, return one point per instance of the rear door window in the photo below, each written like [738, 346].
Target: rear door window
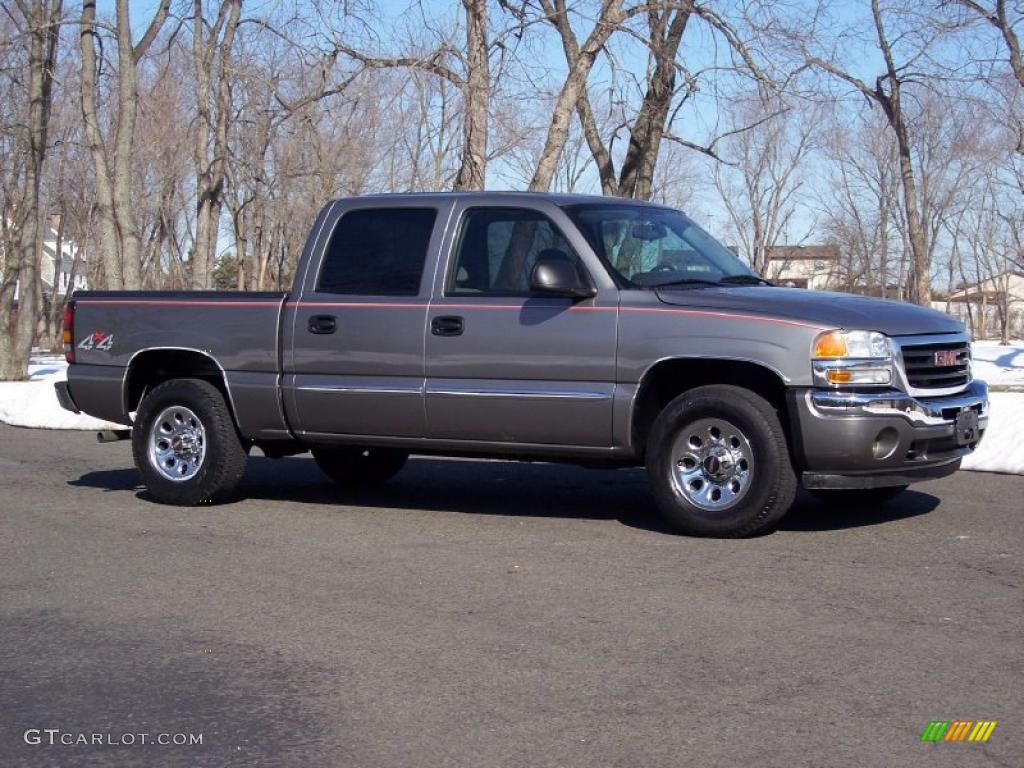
[378, 252]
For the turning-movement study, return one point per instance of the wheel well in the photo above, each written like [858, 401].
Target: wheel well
[155, 366]
[668, 379]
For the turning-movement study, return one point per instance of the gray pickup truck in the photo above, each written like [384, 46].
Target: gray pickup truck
[543, 327]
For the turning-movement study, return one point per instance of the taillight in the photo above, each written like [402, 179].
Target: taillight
[68, 332]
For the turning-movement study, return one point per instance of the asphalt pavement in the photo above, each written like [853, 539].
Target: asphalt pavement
[481, 614]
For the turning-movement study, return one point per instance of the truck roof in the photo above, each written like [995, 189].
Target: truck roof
[510, 196]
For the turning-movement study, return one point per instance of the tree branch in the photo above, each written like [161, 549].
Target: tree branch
[153, 30]
[427, 64]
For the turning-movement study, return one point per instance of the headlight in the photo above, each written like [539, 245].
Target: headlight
[852, 357]
[862, 344]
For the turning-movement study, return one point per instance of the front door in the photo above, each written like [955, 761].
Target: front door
[504, 365]
[356, 360]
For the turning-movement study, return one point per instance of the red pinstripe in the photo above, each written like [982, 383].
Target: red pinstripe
[179, 302]
[491, 307]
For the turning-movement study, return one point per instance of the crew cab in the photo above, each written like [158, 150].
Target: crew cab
[540, 327]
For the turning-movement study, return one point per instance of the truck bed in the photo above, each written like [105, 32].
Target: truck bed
[239, 332]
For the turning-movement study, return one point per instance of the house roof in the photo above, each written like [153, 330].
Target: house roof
[803, 253]
[988, 288]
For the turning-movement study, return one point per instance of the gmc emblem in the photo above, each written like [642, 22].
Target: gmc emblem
[947, 357]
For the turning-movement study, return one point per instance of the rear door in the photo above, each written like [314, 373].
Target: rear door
[355, 362]
[506, 365]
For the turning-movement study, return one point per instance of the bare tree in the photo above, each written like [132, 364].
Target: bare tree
[39, 22]
[120, 242]
[760, 190]
[952, 152]
[1005, 22]
[280, 106]
[861, 200]
[985, 224]
[164, 172]
[666, 25]
[920, 32]
[581, 61]
[210, 43]
[474, 83]
[1005, 87]
[994, 237]
[477, 93]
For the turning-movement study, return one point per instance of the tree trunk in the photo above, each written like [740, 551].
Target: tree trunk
[476, 93]
[637, 175]
[53, 318]
[42, 19]
[920, 263]
[572, 90]
[558, 15]
[210, 160]
[883, 246]
[106, 223]
[892, 105]
[118, 232]
[124, 143]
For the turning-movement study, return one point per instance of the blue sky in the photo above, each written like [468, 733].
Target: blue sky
[395, 17]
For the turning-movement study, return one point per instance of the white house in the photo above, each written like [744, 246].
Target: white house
[804, 266]
[986, 305]
[48, 265]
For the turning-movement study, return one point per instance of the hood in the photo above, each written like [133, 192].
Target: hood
[825, 308]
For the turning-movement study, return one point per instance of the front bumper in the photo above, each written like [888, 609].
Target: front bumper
[876, 439]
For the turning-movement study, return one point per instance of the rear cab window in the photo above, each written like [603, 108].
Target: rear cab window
[377, 252]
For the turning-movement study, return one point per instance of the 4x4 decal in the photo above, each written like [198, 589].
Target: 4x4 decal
[98, 340]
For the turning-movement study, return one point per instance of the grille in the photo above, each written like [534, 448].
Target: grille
[923, 373]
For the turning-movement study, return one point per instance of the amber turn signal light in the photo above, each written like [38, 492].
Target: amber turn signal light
[830, 345]
[839, 376]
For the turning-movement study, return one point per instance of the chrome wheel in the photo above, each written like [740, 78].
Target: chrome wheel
[177, 443]
[713, 464]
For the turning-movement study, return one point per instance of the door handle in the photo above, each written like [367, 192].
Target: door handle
[447, 325]
[323, 324]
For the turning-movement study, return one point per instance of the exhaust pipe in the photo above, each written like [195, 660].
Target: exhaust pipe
[113, 435]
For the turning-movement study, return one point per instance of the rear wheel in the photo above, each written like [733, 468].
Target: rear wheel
[718, 463]
[360, 466]
[857, 497]
[185, 444]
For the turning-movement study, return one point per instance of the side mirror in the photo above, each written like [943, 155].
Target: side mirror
[559, 277]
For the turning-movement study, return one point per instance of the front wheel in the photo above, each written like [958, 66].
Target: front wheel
[718, 463]
[185, 444]
[360, 466]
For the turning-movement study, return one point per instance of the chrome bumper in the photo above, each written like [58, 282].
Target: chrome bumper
[932, 411]
[884, 437]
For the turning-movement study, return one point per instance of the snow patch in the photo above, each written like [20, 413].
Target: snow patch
[998, 365]
[1001, 449]
[33, 403]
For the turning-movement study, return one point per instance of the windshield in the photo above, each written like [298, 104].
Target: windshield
[653, 247]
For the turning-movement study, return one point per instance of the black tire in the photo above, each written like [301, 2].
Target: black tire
[359, 466]
[763, 485]
[857, 497]
[223, 459]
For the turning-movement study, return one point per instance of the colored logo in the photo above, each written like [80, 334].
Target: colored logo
[958, 730]
[945, 357]
[98, 340]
